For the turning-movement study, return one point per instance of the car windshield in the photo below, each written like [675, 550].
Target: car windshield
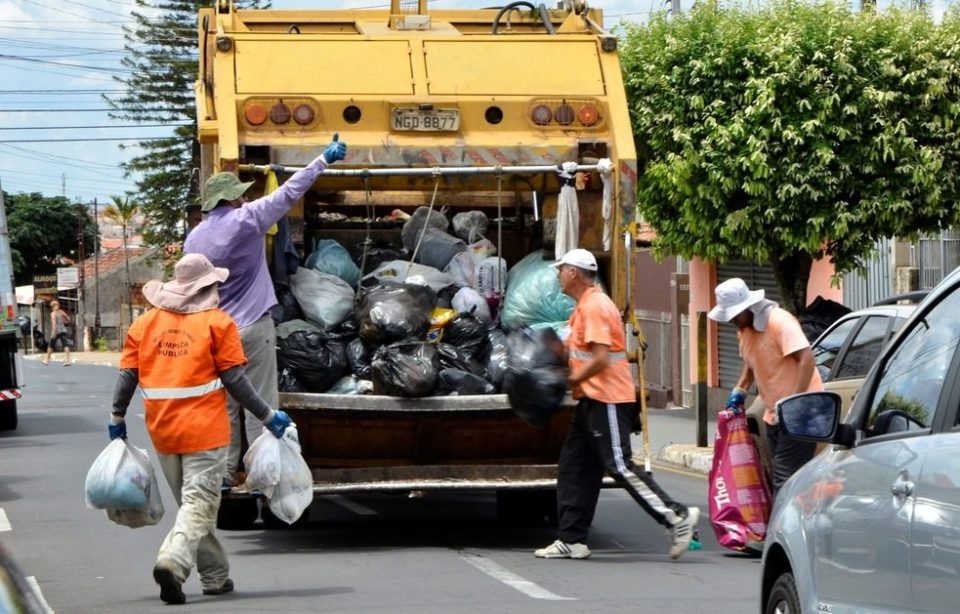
[826, 350]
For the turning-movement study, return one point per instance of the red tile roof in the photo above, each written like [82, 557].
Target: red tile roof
[111, 260]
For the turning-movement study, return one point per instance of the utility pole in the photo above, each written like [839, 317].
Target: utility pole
[80, 285]
[675, 7]
[96, 270]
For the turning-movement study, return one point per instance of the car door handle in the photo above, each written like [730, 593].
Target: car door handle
[902, 488]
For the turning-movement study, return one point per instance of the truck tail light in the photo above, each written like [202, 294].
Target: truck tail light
[280, 113]
[303, 114]
[541, 115]
[588, 115]
[255, 113]
[564, 115]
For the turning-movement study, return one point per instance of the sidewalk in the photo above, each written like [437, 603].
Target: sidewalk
[673, 432]
[673, 438]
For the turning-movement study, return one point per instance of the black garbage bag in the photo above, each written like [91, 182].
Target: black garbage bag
[452, 357]
[359, 358]
[459, 382]
[287, 382]
[467, 333]
[494, 358]
[445, 296]
[24, 323]
[405, 369]
[377, 254]
[819, 315]
[315, 359]
[287, 307]
[391, 313]
[536, 376]
[38, 341]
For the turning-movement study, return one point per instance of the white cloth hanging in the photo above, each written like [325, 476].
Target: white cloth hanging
[605, 167]
[568, 213]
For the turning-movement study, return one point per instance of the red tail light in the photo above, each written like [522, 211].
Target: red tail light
[588, 115]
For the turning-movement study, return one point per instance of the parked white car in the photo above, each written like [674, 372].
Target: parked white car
[872, 524]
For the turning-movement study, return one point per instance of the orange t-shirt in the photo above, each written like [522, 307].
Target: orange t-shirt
[180, 357]
[766, 353]
[596, 319]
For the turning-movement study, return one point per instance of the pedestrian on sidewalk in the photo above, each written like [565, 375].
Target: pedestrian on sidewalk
[186, 355]
[232, 236]
[599, 436]
[777, 357]
[60, 335]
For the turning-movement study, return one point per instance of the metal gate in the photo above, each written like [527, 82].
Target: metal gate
[757, 277]
[864, 288]
[935, 256]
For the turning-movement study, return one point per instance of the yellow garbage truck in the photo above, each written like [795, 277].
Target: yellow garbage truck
[493, 110]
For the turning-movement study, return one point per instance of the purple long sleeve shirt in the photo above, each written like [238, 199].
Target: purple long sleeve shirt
[233, 238]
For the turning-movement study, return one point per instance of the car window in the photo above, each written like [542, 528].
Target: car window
[907, 393]
[825, 351]
[864, 348]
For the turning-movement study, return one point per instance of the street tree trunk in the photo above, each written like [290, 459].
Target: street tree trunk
[792, 273]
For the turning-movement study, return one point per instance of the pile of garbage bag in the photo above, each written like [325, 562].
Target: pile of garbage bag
[436, 325]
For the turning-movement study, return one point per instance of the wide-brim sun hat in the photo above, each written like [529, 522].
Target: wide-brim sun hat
[193, 288]
[733, 296]
[223, 186]
[580, 258]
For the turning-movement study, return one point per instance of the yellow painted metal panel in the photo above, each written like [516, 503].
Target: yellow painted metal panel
[504, 68]
[344, 67]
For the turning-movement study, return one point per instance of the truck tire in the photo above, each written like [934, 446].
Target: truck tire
[237, 513]
[8, 415]
[270, 521]
[527, 507]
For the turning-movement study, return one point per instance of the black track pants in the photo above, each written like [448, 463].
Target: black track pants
[598, 441]
[788, 455]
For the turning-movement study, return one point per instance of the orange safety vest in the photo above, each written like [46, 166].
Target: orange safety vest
[179, 357]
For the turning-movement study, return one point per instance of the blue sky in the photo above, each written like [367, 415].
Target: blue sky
[57, 57]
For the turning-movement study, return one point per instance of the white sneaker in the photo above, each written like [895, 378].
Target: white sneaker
[561, 550]
[682, 532]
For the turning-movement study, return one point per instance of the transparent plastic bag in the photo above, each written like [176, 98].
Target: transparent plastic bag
[122, 481]
[276, 468]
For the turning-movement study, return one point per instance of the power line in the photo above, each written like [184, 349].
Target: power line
[88, 110]
[95, 127]
[132, 138]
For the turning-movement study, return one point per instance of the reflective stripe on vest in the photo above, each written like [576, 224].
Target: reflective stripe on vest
[182, 392]
[581, 355]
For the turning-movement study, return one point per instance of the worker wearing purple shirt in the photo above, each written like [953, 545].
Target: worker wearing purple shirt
[232, 236]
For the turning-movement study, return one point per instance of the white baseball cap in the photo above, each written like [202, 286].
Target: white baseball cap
[733, 296]
[580, 258]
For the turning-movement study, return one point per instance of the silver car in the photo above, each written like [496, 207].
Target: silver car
[873, 523]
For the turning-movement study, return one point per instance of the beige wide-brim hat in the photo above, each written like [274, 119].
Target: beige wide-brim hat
[193, 288]
[733, 296]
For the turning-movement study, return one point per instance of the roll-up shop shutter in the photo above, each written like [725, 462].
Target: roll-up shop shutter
[757, 277]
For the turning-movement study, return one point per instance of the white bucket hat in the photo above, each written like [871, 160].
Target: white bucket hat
[193, 288]
[733, 296]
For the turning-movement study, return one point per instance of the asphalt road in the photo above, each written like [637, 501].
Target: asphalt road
[370, 553]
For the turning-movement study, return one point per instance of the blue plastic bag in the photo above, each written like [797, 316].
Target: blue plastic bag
[533, 295]
[332, 258]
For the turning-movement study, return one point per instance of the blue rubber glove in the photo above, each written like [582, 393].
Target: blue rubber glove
[279, 423]
[738, 396]
[335, 150]
[117, 428]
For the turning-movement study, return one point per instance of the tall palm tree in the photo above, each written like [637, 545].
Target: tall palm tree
[121, 212]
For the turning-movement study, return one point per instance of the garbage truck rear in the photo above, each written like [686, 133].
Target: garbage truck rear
[455, 110]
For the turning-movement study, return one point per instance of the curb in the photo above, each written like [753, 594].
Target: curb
[687, 456]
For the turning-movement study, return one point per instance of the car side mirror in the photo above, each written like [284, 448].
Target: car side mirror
[811, 416]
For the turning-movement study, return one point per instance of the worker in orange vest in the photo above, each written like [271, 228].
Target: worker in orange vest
[186, 355]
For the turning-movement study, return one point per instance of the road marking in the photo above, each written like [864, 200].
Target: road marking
[32, 581]
[353, 506]
[4, 521]
[502, 574]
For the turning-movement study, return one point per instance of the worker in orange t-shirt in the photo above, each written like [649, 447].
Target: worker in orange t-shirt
[599, 437]
[186, 355]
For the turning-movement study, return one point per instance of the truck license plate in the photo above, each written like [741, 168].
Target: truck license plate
[433, 120]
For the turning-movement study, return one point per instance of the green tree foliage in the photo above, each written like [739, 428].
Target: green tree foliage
[161, 53]
[785, 133]
[44, 232]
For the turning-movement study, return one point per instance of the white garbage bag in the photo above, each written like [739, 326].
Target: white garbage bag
[122, 481]
[326, 300]
[276, 468]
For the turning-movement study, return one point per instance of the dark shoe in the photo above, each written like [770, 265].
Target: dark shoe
[171, 590]
[226, 587]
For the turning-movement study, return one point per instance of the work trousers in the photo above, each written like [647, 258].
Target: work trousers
[788, 455]
[195, 480]
[598, 441]
[260, 346]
